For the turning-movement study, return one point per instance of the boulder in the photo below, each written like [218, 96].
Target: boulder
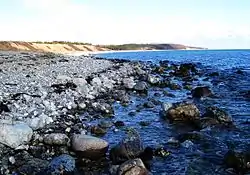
[129, 148]
[203, 91]
[220, 115]
[14, 135]
[132, 167]
[239, 161]
[56, 139]
[141, 86]
[89, 146]
[182, 112]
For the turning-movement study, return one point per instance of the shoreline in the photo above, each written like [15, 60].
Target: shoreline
[61, 103]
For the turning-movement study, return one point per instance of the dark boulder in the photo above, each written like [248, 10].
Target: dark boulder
[239, 161]
[218, 114]
[129, 148]
[203, 91]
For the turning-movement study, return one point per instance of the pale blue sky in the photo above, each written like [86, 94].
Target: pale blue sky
[207, 23]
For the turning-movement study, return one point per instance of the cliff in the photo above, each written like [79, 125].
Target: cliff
[55, 47]
[72, 47]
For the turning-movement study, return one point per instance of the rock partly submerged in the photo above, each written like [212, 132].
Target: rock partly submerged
[89, 146]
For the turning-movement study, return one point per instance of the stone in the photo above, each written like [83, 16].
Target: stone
[166, 106]
[56, 139]
[183, 112]
[119, 124]
[239, 161]
[220, 115]
[105, 124]
[132, 167]
[203, 91]
[98, 131]
[14, 135]
[149, 104]
[39, 122]
[63, 164]
[129, 83]
[152, 79]
[141, 86]
[129, 148]
[89, 146]
[80, 81]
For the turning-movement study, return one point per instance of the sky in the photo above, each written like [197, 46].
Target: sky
[215, 24]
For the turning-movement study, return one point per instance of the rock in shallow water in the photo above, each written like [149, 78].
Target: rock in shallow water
[181, 112]
[89, 146]
[199, 92]
[220, 115]
[132, 167]
[141, 86]
[14, 135]
[129, 148]
[239, 161]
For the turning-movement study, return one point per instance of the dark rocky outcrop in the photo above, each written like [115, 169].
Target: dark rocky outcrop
[203, 91]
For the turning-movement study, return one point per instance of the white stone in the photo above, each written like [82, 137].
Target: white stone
[39, 122]
[14, 135]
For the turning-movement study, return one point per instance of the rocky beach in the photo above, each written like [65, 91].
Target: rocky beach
[58, 111]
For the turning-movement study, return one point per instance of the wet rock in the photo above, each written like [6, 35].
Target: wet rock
[214, 74]
[199, 92]
[129, 83]
[218, 114]
[39, 122]
[98, 131]
[89, 146]
[129, 148]
[3, 108]
[182, 112]
[174, 86]
[149, 104]
[185, 70]
[63, 164]
[239, 161]
[105, 124]
[161, 152]
[132, 167]
[14, 135]
[141, 86]
[132, 113]
[144, 123]
[104, 108]
[119, 124]
[152, 79]
[207, 122]
[56, 139]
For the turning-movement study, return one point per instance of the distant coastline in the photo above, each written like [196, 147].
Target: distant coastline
[64, 47]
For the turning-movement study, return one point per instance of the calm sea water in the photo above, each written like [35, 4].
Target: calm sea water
[204, 156]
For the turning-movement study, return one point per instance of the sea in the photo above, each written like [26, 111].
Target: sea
[203, 155]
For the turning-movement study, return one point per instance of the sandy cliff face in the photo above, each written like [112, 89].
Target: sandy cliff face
[43, 47]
